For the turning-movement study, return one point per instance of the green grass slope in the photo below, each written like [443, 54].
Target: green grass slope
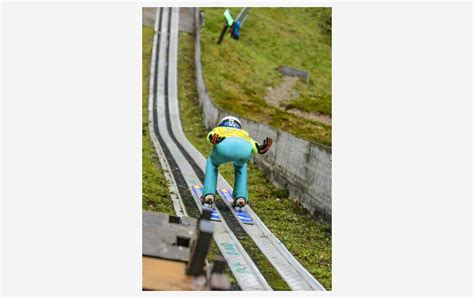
[239, 73]
[155, 193]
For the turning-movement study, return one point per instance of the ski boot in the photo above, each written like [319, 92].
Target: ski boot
[208, 199]
[239, 202]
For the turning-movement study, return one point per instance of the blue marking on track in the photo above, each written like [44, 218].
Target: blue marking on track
[197, 189]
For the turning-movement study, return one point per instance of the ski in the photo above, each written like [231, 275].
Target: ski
[240, 212]
[197, 190]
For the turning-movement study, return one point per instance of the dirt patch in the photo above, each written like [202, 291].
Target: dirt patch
[284, 92]
[311, 116]
[275, 96]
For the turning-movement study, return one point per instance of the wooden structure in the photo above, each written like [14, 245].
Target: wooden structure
[174, 254]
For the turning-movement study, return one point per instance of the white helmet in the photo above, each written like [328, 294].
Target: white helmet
[230, 121]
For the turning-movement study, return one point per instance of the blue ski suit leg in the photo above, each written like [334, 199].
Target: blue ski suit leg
[240, 182]
[231, 149]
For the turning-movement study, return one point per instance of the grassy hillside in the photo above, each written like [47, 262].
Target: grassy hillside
[239, 74]
[155, 194]
[285, 217]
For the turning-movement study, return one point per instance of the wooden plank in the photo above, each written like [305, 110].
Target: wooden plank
[221, 36]
[164, 275]
[198, 258]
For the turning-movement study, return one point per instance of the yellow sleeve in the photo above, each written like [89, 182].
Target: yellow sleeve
[254, 146]
[253, 143]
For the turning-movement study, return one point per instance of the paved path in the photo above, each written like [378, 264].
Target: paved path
[148, 16]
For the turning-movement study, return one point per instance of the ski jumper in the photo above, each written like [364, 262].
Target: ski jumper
[237, 147]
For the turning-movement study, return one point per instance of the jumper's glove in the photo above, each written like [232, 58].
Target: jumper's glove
[267, 143]
[215, 139]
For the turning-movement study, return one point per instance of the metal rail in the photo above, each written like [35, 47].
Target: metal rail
[165, 57]
[175, 196]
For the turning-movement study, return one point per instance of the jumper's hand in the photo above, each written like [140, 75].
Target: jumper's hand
[267, 143]
[215, 139]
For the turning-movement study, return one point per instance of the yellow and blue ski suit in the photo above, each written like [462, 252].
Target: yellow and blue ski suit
[237, 147]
